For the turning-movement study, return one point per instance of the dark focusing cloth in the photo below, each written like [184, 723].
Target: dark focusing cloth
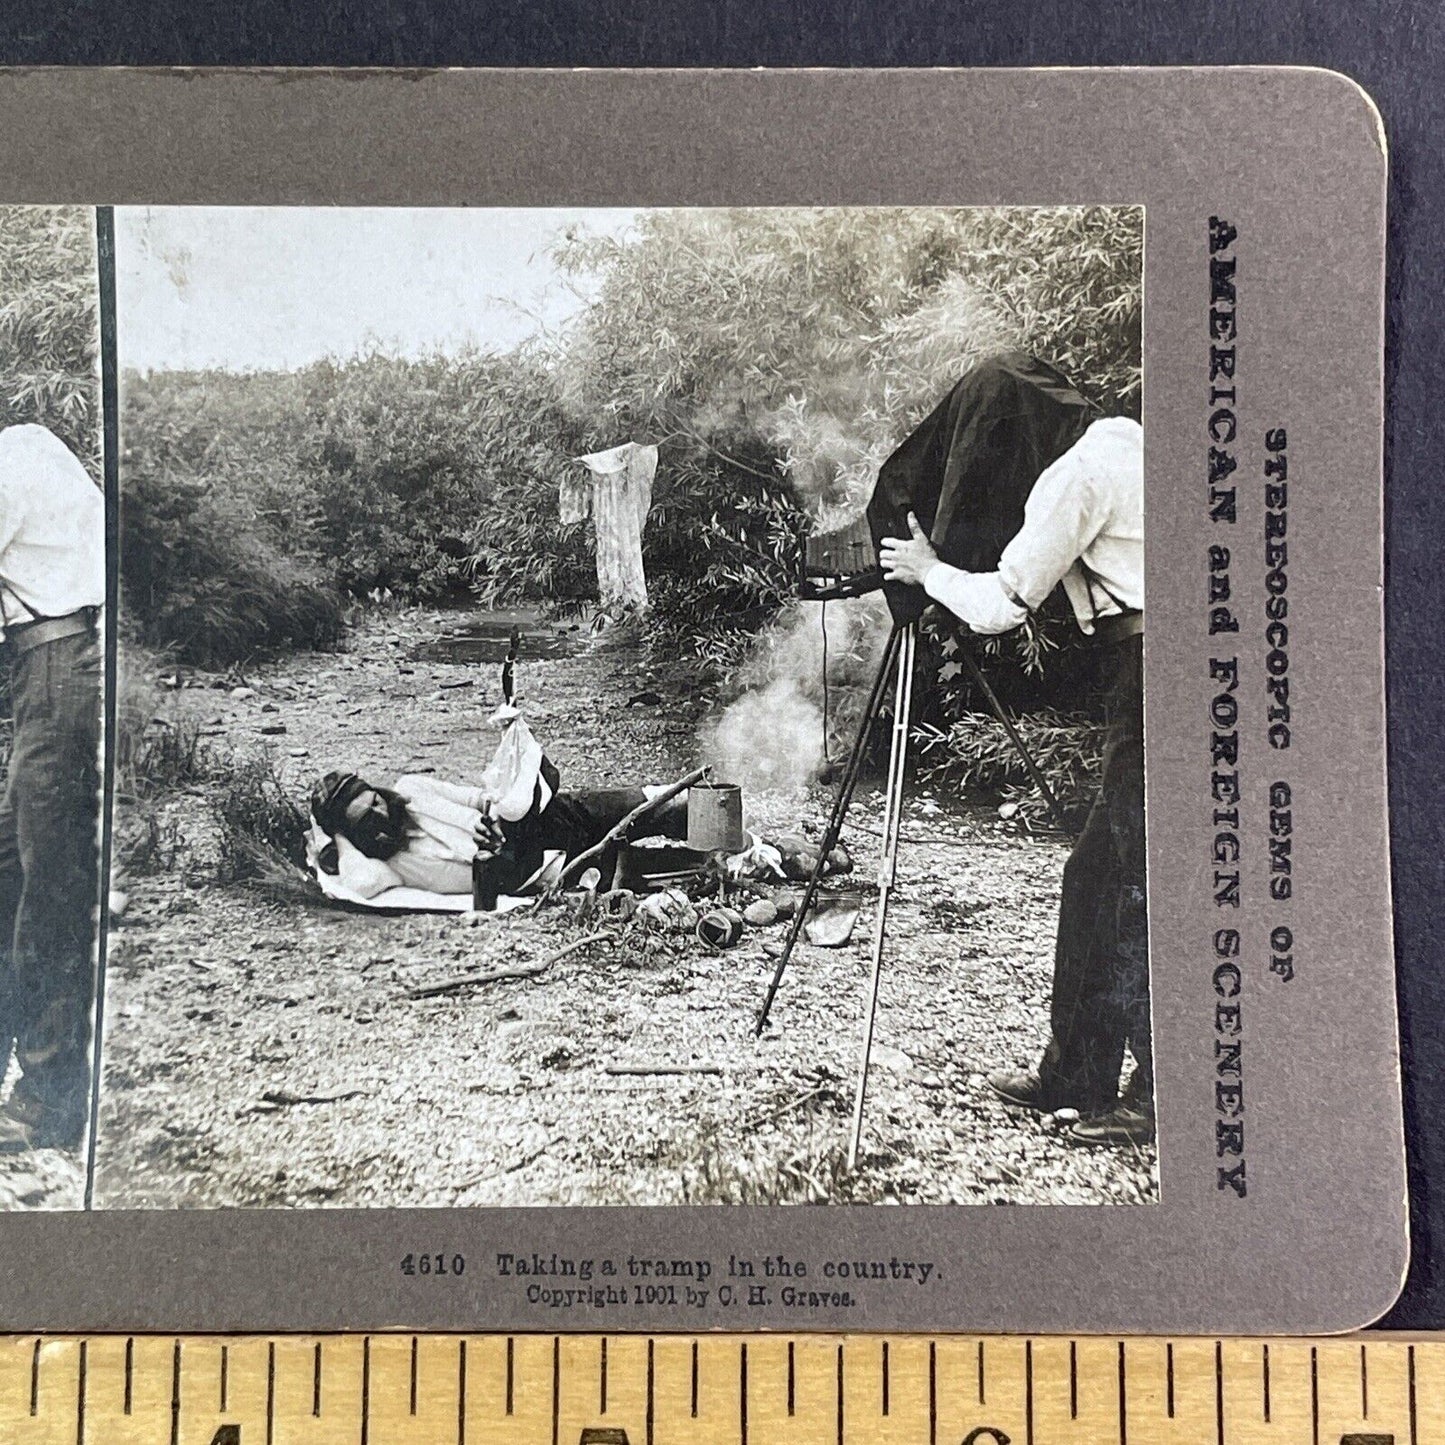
[968, 468]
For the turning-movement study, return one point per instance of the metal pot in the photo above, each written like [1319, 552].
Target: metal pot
[715, 818]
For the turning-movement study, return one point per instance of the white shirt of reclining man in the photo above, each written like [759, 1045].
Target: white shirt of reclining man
[440, 844]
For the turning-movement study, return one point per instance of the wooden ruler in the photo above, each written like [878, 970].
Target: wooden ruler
[728, 1389]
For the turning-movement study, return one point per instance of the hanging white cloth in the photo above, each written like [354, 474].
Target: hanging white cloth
[621, 497]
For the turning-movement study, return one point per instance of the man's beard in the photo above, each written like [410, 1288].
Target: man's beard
[382, 837]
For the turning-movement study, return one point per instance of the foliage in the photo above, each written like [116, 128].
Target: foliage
[262, 832]
[774, 356]
[777, 356]
[218, 564]
[405, 461]
[158, 745]
[49, 331]
[976, 753]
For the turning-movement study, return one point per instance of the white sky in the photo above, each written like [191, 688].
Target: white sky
[247, 288]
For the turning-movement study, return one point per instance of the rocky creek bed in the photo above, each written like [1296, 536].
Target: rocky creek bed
[268, 1052]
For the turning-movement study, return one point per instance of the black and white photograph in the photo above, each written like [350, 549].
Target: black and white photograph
[52, 598]
[628, 707]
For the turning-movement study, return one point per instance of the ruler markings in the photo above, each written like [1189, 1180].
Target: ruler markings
[462, 1393]
[981, 1399]
[1410, 1391]
[1219, 1391]
[1315, 1394]
[743, 1395]
[650, 1393]
[1028, 1391]
[80, 1398]
[366, 1387]
[556, 1388]
[271, 1392]
[510, 1345]
[176, 1393]
[1323, 1392]
[1123, 1399]
[932, 1392]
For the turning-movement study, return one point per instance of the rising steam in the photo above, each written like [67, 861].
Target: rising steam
[775, 737]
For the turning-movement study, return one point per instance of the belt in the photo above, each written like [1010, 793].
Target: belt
[1119, 627]
[27, 636]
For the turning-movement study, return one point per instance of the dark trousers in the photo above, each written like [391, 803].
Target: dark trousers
[572, 822]
[1101, 957]
[49, 877]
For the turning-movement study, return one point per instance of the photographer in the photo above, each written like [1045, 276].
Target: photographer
[1082, 527]
[52, 587]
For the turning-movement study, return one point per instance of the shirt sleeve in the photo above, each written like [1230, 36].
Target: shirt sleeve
[19, 477]
[366, 877]
[978, 598]
[414, 784]
[1062, 517]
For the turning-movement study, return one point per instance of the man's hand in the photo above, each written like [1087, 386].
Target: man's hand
[488, 835]
[907, 560]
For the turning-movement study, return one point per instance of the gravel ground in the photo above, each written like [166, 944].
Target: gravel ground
[267, 1053]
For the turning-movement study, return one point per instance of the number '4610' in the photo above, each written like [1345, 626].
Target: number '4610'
[438, 1264]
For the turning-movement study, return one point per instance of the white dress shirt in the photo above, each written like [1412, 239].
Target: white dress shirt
[52, 528]
[1083, 526]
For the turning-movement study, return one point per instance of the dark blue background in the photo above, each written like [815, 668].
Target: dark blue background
[1396, 49]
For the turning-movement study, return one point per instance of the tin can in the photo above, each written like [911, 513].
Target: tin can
[715, 818]
[720, 927]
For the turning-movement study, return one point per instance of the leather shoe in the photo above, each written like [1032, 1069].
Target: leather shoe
[26, 1125]
[1125, 1123]
[14, 1134]
[1025, 1090]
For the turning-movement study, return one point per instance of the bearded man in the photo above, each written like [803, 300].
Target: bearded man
[428, 834]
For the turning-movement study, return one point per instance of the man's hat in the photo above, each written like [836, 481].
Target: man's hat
[331, 797]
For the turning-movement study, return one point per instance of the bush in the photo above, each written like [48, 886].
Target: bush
[262, 832]
[49, 324]
[158, 748]
[975, 752]
[209, 571]
[777, 356]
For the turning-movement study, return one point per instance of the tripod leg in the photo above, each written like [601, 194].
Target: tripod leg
[892, 826]
[835, 820]
[1035, 772]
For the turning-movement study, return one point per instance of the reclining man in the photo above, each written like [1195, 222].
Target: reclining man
[1083, 526]
[424, 833]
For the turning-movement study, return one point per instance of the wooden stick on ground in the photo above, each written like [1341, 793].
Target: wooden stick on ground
[503, 975]
[650, 1069]
[622, 829]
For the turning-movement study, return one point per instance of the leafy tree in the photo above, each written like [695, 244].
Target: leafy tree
[777, 356]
